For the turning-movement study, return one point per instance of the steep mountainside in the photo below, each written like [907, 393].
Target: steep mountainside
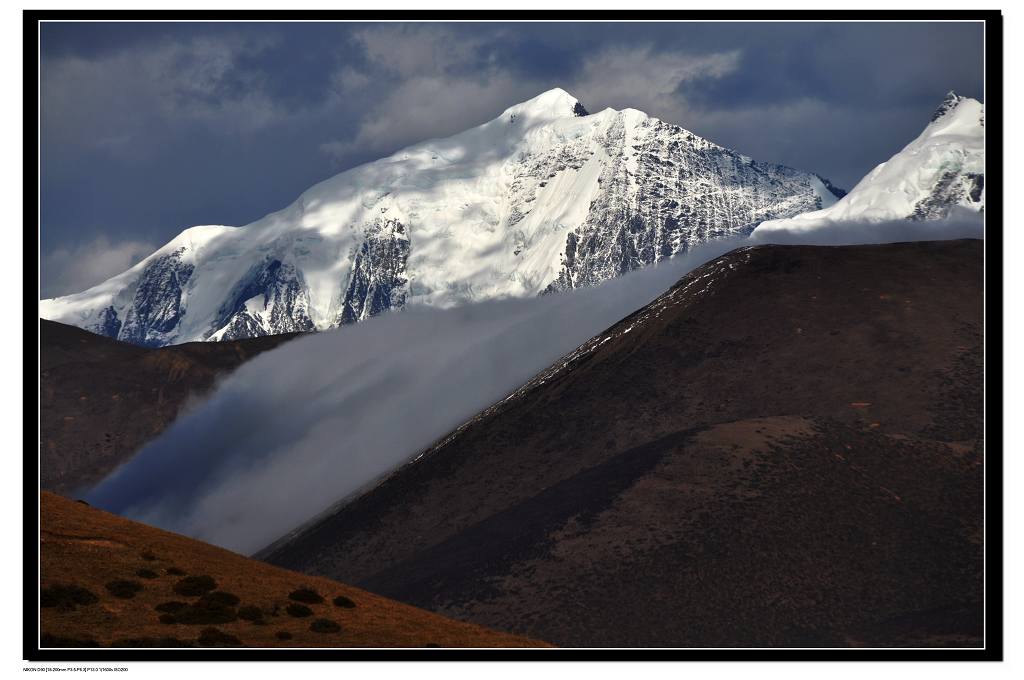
[101, 400]
[783, 449]
[544, 197]
[111, 582]
[937, 175]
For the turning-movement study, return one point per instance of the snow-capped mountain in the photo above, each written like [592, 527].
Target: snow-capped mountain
[940, 173]
[544, 197]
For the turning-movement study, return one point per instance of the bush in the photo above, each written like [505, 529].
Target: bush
[283, 635]
[124, 589]
[205, 611]
[174, 571]
[342, 601]
[431, 644]
[168, 618]
[146, 573]
[171, 607]
[307, 595]
[194, 586]
[219, 597]
[151, 642]
[324, 626]
[148, 556]
[212, 637]
[66, 597]
[299, 610]
[48, 640]
[250, 613]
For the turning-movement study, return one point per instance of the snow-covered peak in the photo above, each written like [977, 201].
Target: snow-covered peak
[956, 115]
[941, 171]
[949, 103]
[544, 197]
[547, 106]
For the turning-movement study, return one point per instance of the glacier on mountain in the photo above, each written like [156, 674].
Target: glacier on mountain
[545, 197]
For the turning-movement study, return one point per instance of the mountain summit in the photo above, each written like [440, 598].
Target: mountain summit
[938, 175]
[948, 104]
[546, 107]
[544, 197]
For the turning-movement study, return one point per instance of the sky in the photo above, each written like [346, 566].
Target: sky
[147, 129]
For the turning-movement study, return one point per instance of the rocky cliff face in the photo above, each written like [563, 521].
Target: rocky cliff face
[545, 197]
[666, 190]
[271, 299]
[377, 279]
[155, 309]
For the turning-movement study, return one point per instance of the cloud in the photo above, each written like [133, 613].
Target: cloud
[441, 81]
[649, 80]
[121, 101]
[422, 82]
[429, 107]
[408, 50]
[962, 223]
[73, 269]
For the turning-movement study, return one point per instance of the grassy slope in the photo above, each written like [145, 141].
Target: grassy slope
[90, 548]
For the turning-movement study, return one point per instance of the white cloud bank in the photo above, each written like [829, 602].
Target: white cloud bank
[71, 269]
[808, 229]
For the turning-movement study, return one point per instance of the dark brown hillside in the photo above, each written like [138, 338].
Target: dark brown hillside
[101, 399]
[784, 449]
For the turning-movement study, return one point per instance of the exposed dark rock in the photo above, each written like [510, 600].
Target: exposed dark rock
[670, 194]
[948, 104]
[271, 299]
[377, 279]
[955, 187]
[156, 308]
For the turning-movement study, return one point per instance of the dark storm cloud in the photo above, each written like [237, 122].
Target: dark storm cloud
[151, 128]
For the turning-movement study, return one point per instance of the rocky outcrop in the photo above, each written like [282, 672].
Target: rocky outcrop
[156, 307]
[377, 280]
[272, 298]
[669, 190]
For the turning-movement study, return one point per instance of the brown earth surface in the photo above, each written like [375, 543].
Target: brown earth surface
[785, 449]
[101, 400]
[93, 564]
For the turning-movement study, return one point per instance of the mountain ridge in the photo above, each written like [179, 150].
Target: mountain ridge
[544, 197]
[102, 399]
[803, 471]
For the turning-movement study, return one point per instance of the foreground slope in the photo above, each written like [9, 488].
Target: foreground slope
[784, 449]
[107, 581]
[545, 196]
[101, 400]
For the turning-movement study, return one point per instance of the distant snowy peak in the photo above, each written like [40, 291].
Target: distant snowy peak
[948, 104]
[546, 107]
[941, 172]
[545, 197]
